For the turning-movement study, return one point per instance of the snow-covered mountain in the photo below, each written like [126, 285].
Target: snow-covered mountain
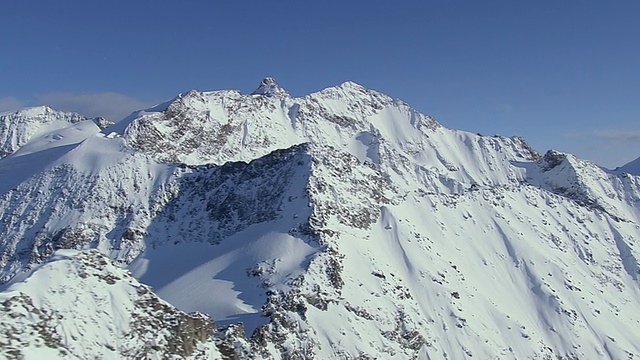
[344, 224]
[18, 128]
[32, 138]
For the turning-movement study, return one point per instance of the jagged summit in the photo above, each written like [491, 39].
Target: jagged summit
[30, 111]
[269, 87]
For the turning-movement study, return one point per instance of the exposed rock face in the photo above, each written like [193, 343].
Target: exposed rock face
[344, 224]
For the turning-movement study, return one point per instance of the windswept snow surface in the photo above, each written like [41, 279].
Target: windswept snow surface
[343, 224]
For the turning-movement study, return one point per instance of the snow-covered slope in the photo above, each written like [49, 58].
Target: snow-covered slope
[344, 224]
[79, 305]
[32, 138]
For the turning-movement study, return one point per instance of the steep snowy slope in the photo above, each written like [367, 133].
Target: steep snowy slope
[343, 224]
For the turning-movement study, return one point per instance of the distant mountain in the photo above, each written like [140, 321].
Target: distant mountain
[344, 224]
[632, 167]
[18, 128]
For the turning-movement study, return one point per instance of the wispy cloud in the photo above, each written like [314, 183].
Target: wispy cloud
[113, 106]
[505, 109]
[10, 104]
[577, 134]
[625, 136]
[607, 147]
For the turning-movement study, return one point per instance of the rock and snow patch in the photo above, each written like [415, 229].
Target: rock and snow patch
[269, 87]
[227, 282]
[79, 305]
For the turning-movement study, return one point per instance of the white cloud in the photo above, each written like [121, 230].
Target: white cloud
[10, 104]
[112, 106]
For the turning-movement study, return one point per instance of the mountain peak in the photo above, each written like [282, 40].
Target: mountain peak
[352, 84]
[269, 87]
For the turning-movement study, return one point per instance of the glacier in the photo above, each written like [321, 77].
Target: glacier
[343, 224]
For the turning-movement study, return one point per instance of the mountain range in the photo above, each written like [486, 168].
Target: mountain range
[339, 225]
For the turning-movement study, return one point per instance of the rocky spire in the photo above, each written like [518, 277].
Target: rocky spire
[269, 87]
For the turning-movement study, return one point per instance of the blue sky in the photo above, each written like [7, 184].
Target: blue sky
[562, 74]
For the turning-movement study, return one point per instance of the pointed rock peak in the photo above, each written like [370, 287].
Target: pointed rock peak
[102, 122]
[551, 159]
[269, 87]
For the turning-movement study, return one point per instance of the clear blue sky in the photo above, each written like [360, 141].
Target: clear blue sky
[562, 74]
